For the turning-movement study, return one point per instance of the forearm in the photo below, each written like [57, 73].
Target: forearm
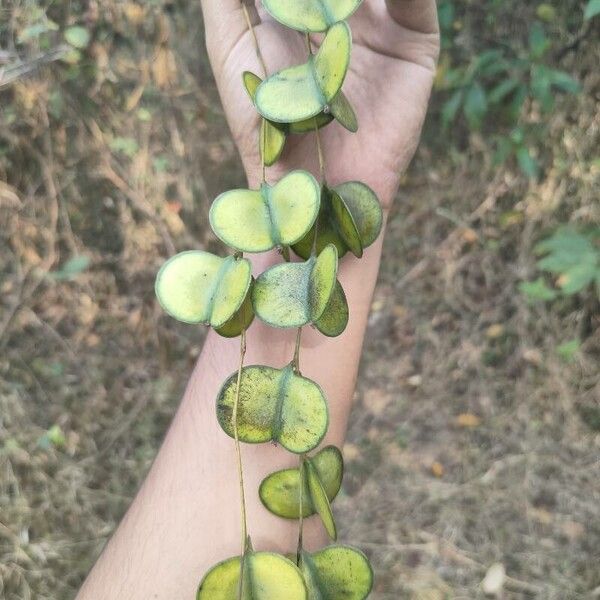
[186, 516]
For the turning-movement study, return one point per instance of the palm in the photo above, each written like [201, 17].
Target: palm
[388, 83]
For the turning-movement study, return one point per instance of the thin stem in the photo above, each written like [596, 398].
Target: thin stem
[263, 143]
[259, 55]
[320, 152]
[296, 361]
[301, 511]
[240, 467]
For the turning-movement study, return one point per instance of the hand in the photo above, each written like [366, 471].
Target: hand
[395, 49]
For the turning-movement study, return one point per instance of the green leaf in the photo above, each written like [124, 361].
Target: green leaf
[592, 9]
[451, 107]
[538, 41]
[502, 90]
[334, 319]
[568, 350]
[320, 500]
[274, 405]
[528, 164]
[310, 15]
[350, 218]
[73, 267]
[343, 112]
[79, 37]
[303, 91]
[280, 491]
[259, 220]
[475, 106]
[337, 573]
[537, 290]
[199, 287]
[295, 294]
[564, 81]
[266, 576]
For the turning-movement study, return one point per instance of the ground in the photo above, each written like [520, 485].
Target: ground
[473, 442]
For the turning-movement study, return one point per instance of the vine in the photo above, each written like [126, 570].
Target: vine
[259, 403]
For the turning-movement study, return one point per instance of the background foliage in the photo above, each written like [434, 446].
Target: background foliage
[478, 408]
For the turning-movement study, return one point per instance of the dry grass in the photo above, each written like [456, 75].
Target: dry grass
[472, 441]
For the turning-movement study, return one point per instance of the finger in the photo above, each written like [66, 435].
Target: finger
[225, 22]
[415, 15]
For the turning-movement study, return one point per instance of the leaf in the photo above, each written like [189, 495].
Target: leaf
[538, 41]
[320, 500]
[73, 267]
[280, 491]
[350, 218]
[592, 9]
[475, 106]
[331, 61]
[564, 81]
[537, 290]
[337, 573]
[240, 321]
[274, 405]
[303, 91]
[502, 90]
[451, 107]
[79, 37]
[310, 15]
[259, 220]
[266, 576]
[199, 287]
[342, 110]
[295, 294]
[271, 142]
[568, 350]
[528, 164]
[334, 319]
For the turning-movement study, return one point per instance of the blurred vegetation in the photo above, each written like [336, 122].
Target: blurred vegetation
[485, 329]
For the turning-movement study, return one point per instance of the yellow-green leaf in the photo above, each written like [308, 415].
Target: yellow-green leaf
[199, 287]
[240, 321]
[290, 95]
[342, 110]
[280, 491]
[334, 320]
[346, 225]
[251, 83]
[257, 221]
[320, 500]
[295, 294]
[303, 91]
[363, 204]
[337, 573]
[307, 125]
[275, 405]
[310, 15]
[266, 576]
[271, 142]
[332, 59]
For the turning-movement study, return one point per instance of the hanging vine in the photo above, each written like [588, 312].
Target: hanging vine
[259, 403]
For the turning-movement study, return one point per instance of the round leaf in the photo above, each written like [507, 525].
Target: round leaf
[307, 125]
[294, 294]
[199, 287]
[279, 492]
[334, 320]
[275, 405]
[266, 576]
[337, 573]
[77, 36]
[363, 204]
[257, 221]
[240, 321]
[331, 61]
[345, 225]
[251, 83]
[310, 15]
[271, 142]
[342, 110]
[290, 95]
[320, 500]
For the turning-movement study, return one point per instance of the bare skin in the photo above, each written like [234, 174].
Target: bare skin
[186, 515]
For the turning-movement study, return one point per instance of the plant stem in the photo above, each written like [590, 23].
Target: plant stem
[296, 361]
[259, 55]
[240, 467]
[301, 511]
